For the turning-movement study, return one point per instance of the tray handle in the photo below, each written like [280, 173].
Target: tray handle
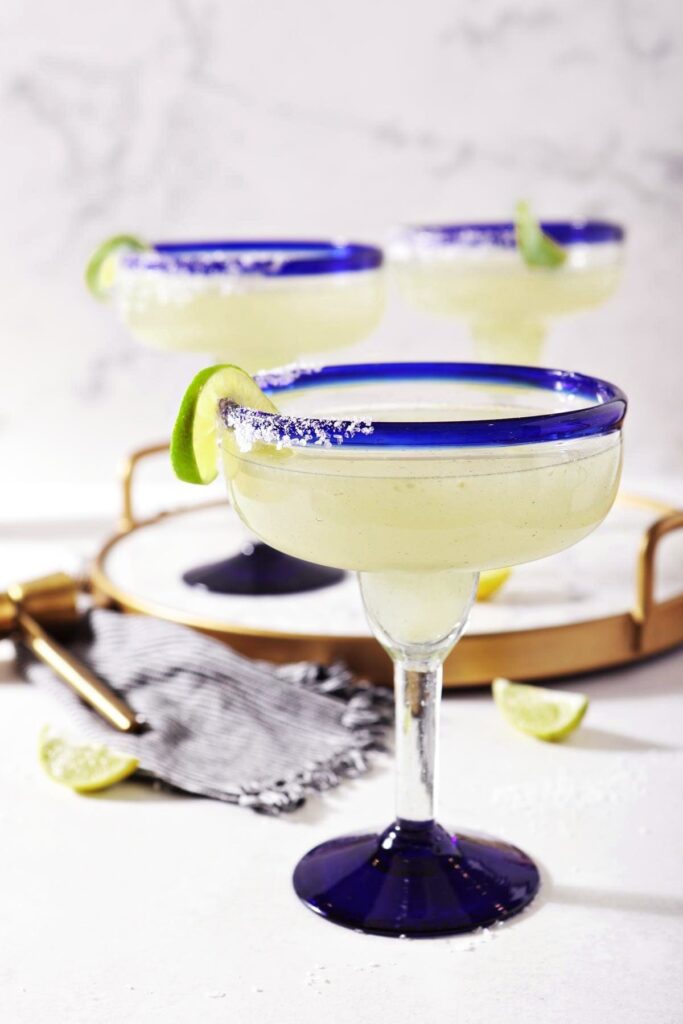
[127, 473]
[651, 616]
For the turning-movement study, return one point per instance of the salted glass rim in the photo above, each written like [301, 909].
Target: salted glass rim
[285, 257]
[502, 233]
[602, 414]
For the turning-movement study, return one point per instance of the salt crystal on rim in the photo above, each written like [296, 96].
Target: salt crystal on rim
[251, 425]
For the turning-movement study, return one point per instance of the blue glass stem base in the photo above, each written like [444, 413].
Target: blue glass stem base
[259, 570]
[416, 879]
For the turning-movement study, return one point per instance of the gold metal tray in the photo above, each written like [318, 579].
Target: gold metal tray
[646, 627]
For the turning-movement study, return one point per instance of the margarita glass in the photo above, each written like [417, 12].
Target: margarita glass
[253, 303]
[418, 476]
[476, 273]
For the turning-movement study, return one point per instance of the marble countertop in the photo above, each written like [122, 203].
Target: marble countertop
[155, 907]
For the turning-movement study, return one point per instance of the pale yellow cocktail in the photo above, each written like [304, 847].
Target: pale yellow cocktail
[480, 277]
[417, 476]
[253, 304]
[420, 511]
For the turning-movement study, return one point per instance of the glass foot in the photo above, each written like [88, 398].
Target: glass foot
[416, 879]
[261, 570]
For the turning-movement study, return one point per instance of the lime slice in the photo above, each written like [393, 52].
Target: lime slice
[540, 712]
[537, 248]
[193, 442]
[84, 768]
[100, 272]
[490, 582]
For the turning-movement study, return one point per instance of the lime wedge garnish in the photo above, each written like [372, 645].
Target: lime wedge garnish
[537, 248]
[193, 442]
[100, 272]
[540, 712]
[490, 582]
[85, 767]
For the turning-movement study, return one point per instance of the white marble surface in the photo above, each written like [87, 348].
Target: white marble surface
[164, 909]
[199, 117]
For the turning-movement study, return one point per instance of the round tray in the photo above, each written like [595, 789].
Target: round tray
[588, 608]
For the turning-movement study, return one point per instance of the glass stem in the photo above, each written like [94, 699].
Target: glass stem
[510, 341]
[418, 618]
[417, 688]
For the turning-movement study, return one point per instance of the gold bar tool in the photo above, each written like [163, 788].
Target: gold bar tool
[53, 601]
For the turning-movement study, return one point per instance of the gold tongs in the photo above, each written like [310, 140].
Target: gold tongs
[52, 601]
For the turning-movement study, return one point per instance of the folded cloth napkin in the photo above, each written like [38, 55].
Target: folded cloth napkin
[221, 725]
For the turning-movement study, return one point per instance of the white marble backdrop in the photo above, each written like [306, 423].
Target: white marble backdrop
[174, 118]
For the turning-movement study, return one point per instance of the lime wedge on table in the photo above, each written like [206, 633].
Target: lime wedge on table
[490, 582]
[537, 248]
[540, 712]
[100, 272]
[193, 442]
[85, 768]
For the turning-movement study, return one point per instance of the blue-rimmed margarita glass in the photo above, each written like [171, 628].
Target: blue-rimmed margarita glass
[476, 273]
[255, 303]
[418, 476]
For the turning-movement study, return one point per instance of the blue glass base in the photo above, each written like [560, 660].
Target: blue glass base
[260, 570]
[416, 879]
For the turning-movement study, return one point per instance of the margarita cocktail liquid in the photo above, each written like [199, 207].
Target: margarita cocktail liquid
[476, 273]
[373, 512]
[253, 304]
[415, 524]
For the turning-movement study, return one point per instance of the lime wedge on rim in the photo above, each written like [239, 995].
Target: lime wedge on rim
[193, 442]
[84, 768]
[100, 273]
[538, 711]
[537, 248]
[490, 582]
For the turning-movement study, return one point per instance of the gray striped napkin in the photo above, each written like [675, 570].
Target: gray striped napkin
[221, 725]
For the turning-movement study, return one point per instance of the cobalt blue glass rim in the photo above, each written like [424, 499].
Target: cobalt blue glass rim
[256, 257]
[502, 233]
[603, 415]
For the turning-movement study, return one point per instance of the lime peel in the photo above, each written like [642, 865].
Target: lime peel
[538, 711]
[100, 272]
[85, 768]
[537, 248]
[490, 583]
[194, 437]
